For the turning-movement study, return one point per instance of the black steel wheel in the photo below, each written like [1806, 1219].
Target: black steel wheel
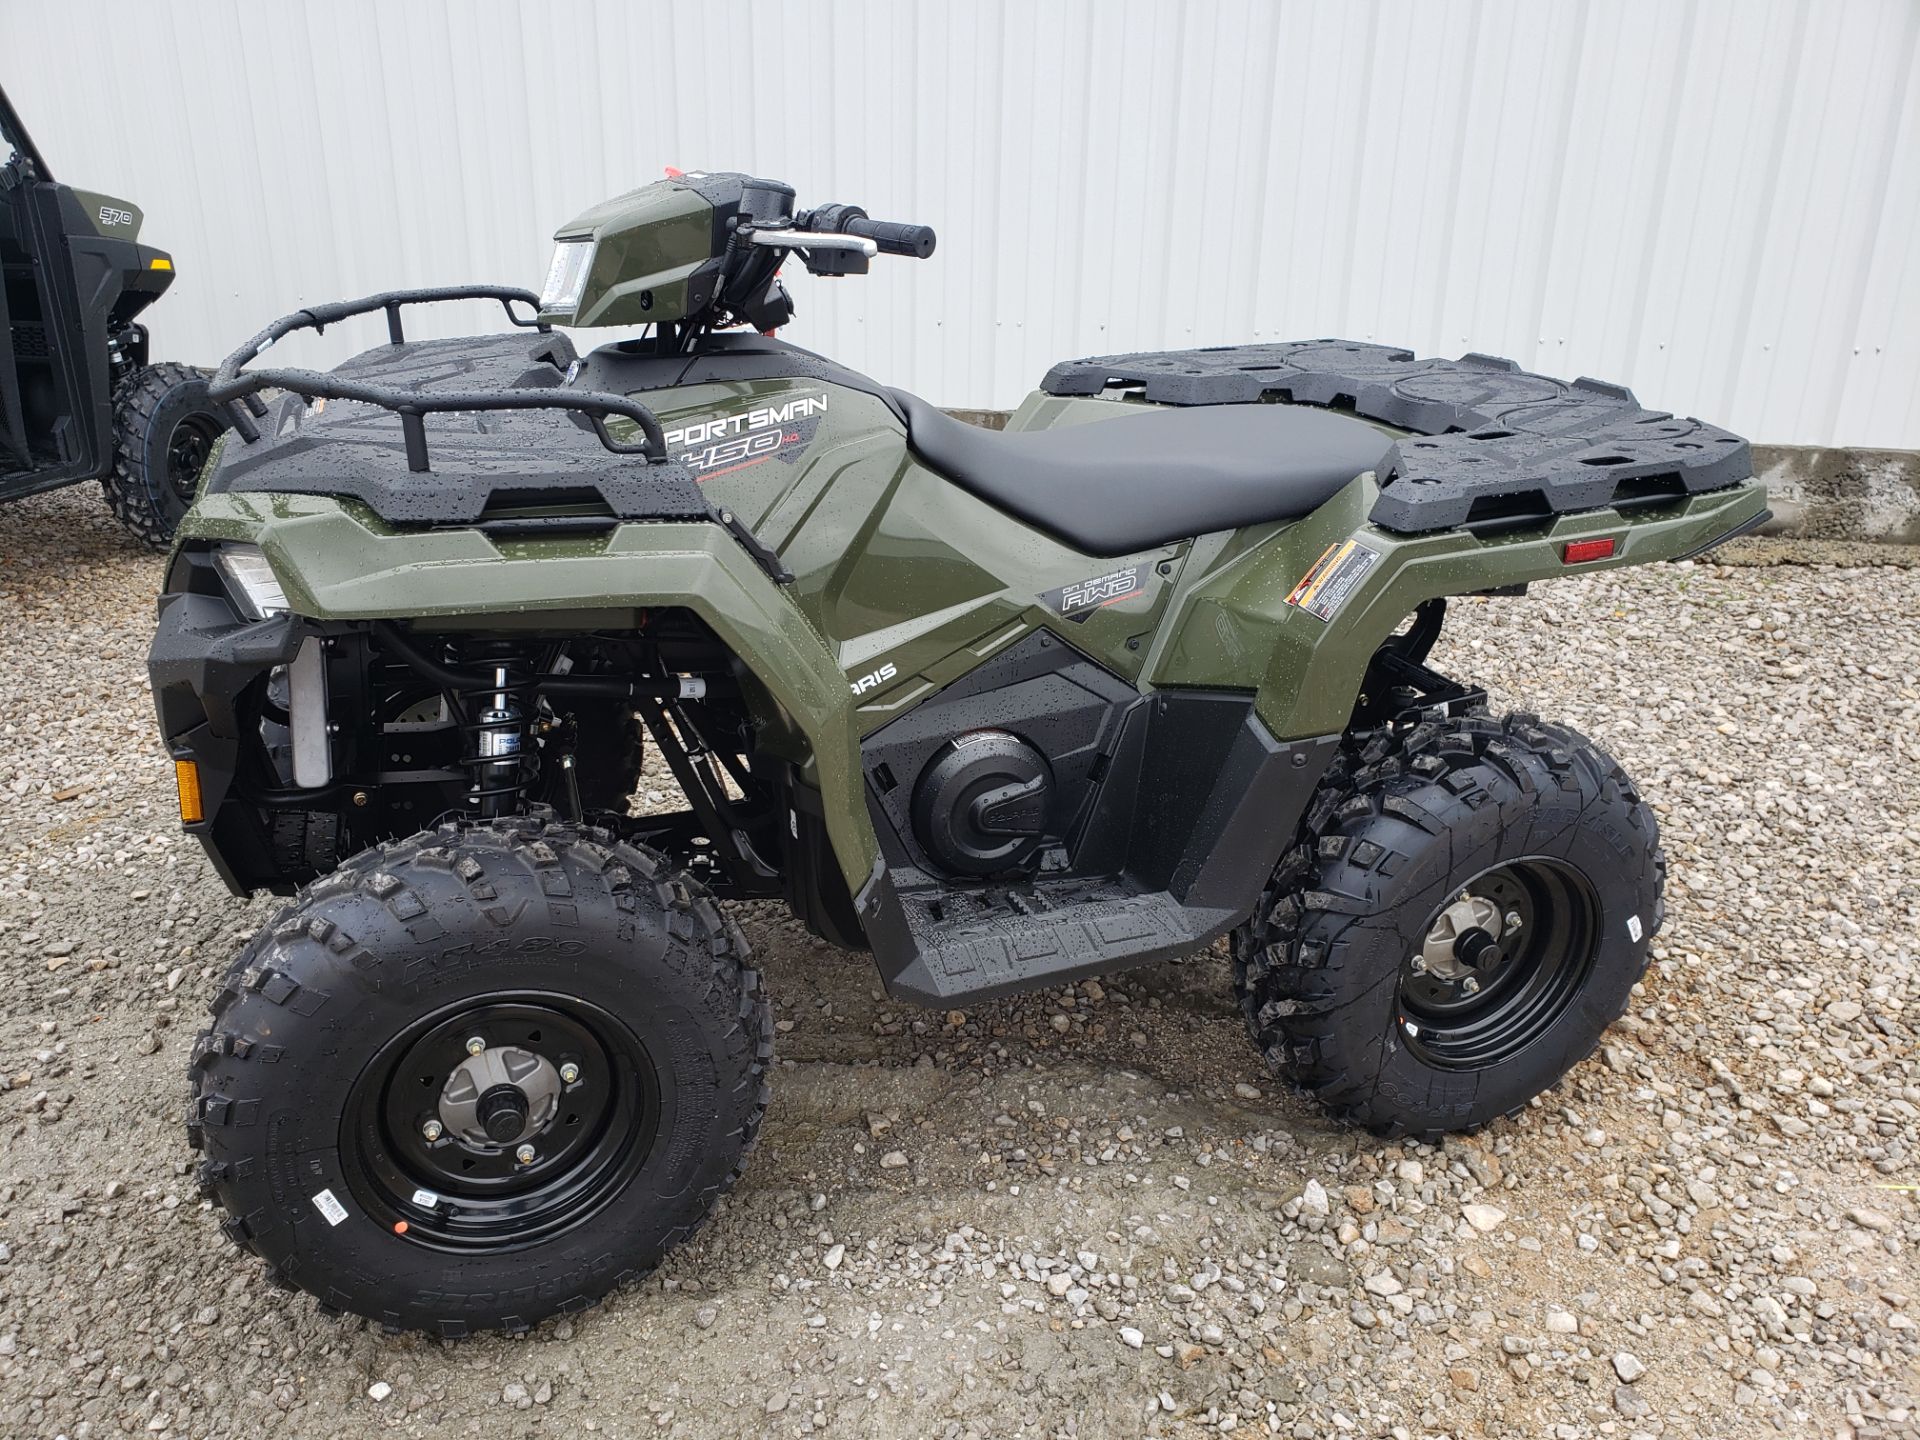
[187, 447]
[1480, 992]
[481, 1076]
[578, 1092]
[165, 431]
[1469, 906]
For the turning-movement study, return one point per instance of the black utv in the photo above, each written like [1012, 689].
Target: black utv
[78, 400]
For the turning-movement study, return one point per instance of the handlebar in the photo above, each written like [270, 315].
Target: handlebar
[914, 241]
[889, 237]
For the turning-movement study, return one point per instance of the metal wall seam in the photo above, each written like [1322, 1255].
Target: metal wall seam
[1713, 201]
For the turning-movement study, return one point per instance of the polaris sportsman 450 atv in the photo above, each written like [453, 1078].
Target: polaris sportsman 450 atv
[1004, 709]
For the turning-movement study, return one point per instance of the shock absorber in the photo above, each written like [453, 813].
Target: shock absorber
[497, 723]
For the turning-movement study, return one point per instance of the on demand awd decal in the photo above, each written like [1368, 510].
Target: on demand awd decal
[722, 443]
[1077, 601]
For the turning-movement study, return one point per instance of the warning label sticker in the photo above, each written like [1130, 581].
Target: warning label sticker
[1333, 577]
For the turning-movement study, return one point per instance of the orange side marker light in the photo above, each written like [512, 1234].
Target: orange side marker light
[186, 775]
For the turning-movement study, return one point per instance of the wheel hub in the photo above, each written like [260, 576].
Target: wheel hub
[500, 1096]
[1465, 940]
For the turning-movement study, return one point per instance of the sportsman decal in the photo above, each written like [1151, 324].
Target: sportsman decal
[717, 444]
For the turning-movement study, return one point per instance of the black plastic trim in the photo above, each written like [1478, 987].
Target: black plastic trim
[1745, 527]
[232, 380]
[1491, 442]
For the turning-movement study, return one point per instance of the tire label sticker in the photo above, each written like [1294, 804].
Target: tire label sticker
[1333, 578]
[330, 1207]
[1633, 927]
[425, 1199]
[1077, 601]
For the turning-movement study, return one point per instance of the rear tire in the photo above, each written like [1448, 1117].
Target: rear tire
[613, 1006]
[164, 431]
[1556, 855]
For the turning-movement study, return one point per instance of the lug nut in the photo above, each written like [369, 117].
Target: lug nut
[1419, 965]
[1512, 920]
[1470, 985]
[475, 1045]
[524, 1154]
[433, 1130]
[569, 1073]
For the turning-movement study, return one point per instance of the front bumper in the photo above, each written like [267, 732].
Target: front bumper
[204, 654]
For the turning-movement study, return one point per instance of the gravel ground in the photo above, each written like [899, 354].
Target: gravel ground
[1086, 1212]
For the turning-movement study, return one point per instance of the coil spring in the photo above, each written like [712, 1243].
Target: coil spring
[496, 728]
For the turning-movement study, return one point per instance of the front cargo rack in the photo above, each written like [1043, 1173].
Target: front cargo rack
[1494, 447]
[234, 382]
[513, 479]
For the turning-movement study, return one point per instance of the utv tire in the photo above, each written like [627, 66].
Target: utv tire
[545, 979]
[1367, 979]
[164, 430]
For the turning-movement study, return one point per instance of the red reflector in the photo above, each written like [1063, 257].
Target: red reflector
[1578, 552]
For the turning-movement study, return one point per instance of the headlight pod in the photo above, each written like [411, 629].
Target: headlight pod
[567, 276]
[250, 580]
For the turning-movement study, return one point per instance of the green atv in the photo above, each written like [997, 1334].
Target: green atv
[1146, 671]
[78, 400]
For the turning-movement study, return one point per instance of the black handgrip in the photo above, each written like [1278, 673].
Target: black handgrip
[915, 241]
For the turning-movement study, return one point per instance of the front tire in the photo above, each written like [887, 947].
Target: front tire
[164, 431]
[481, 1076]
[1470, 906]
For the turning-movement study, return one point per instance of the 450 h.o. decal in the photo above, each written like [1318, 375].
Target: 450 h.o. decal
[721, 443]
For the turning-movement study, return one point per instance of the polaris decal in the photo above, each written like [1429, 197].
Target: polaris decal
[721, 443]
[1077, 601]
[874, 679]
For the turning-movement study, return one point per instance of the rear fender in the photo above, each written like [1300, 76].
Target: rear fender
[334, 566]
[1255, 616]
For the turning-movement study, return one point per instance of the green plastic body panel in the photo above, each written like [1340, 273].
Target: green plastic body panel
[648, 244]
[111, 217]
[903, 582]
[1232, 624]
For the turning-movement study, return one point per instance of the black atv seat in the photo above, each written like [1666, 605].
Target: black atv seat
[1114, 487]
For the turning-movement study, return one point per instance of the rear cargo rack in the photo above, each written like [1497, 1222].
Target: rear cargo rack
[1494, 448]
[233, 382]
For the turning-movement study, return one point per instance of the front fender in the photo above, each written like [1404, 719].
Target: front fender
[335, 566]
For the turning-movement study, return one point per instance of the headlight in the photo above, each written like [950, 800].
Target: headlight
[567, 275]
[251, 580]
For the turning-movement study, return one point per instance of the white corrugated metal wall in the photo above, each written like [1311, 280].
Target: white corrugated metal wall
[1715, 201]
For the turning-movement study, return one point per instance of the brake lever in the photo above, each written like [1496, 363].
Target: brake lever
[812, 240]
